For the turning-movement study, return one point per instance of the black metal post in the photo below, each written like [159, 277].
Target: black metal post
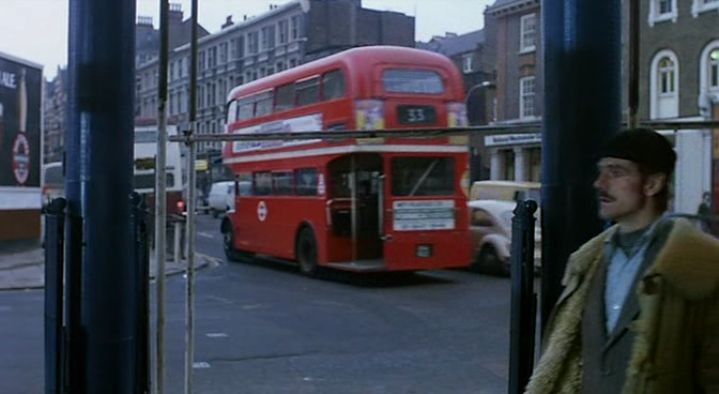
[103, 291]
[54, 248]
[524, 299]
[582, 60]
[142, 268]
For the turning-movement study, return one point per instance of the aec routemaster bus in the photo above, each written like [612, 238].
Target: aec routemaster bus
[387, 204]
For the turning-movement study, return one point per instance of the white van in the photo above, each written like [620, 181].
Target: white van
[222, 197]
[53, 182]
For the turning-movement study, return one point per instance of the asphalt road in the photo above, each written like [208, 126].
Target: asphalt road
[262, 327]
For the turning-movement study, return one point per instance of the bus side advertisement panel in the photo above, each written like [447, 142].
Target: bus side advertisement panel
[299, 124]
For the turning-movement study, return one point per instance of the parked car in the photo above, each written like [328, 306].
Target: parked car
[491, 226]
[221, 198]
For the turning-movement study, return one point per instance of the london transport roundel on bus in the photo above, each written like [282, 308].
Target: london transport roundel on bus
[262, 211]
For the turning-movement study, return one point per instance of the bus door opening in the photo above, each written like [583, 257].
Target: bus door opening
[355, 206]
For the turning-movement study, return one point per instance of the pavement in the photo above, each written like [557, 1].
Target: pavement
[23, 267]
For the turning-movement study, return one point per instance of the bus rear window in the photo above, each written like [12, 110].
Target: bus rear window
[422, 176]
[412, 81]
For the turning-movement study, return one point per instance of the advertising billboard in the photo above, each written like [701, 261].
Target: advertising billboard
[20, 91]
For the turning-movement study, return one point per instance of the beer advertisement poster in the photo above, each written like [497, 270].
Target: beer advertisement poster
[20, 91]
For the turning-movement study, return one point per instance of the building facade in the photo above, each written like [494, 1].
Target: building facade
[147, 46]
[467, 51]
[513, 43]
[679, 80]
[54, 116]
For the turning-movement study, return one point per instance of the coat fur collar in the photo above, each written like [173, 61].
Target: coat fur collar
[689, 261]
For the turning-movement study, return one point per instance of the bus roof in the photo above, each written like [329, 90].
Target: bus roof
[352, 59]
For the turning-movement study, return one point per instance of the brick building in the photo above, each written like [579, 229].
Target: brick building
[679, 80]
[467, 51]
[54, 116]
[513, 43]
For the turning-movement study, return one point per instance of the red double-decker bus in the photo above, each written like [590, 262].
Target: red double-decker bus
[380, 204]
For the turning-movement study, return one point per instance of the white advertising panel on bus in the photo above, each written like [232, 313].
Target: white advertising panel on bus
[423, 215]
[292, 125]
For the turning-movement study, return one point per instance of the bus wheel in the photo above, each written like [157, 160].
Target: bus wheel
[306, 252]
[228, 243]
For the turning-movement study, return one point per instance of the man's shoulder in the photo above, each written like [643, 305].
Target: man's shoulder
[581, 259]
[689, 260]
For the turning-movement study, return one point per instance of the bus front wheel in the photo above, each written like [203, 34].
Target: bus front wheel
[306, 251]
[228, 243]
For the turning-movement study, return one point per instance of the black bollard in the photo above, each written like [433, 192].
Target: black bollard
[524, 299]
[54, 246]
[142, 270]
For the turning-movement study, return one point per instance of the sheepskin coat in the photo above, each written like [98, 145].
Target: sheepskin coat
[676, 346]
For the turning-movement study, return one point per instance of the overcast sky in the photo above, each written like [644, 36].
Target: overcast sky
[36, 30]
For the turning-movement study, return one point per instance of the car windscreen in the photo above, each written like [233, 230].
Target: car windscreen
[147, 181]
[422, 176]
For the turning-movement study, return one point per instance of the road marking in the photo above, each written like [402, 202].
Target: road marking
[216, 335]
[205, 234]
[201, 365]
[253, 306]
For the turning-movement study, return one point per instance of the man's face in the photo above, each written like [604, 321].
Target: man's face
[619, 189]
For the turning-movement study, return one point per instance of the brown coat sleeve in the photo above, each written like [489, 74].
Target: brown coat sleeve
[708, 351]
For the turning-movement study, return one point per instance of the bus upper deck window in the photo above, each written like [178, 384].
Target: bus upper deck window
[399, 80]
[333, 85]
[284, 97]
[246, 110]
[308, 91]
[264, 104]
[232, 112]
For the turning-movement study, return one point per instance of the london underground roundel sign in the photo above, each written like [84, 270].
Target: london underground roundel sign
[262, 211]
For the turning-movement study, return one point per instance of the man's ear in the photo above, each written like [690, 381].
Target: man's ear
[654, 183]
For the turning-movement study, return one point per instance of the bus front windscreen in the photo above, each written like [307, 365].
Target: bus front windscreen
[422, 176]
[400, 80]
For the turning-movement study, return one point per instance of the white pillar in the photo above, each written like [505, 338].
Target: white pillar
[520, 164]
[496, 165]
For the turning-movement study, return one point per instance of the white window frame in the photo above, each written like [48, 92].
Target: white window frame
[704, 76]
[523, 107]
[525, 47]
[283, 35]
[295, 28]
[654, 15]
[654, 93]
[699, 6]
[671, 72]
[467, 63]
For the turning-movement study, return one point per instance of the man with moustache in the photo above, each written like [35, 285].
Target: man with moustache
[640, 308]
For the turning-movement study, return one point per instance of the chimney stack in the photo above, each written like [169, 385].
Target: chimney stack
[228, 22]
